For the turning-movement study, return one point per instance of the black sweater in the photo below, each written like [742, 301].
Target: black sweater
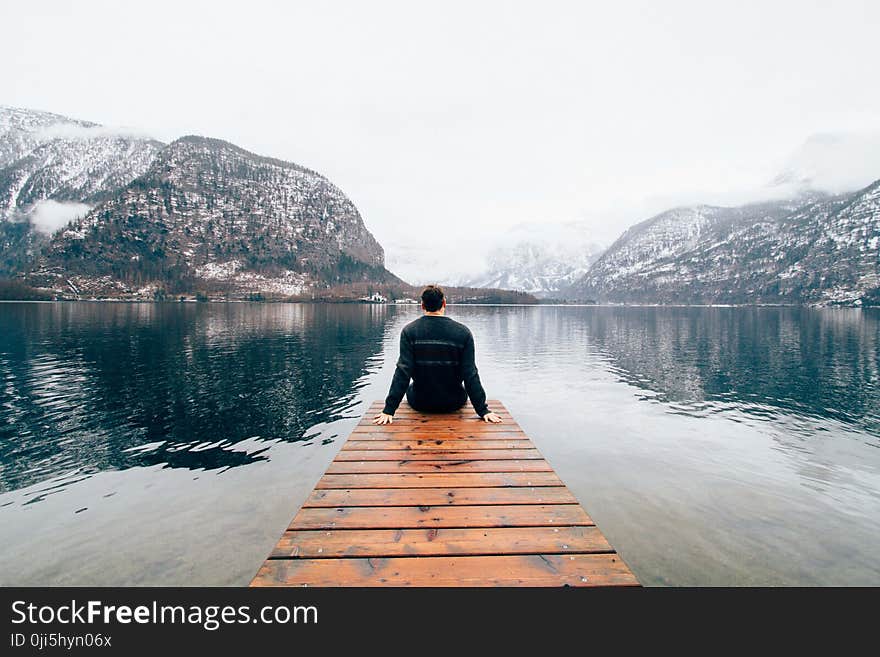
[437, 353]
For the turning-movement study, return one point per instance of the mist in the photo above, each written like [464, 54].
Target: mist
[49, 216]
[85, 132]
[447, 128]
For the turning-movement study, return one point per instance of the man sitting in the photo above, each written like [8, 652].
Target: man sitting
[437, 353]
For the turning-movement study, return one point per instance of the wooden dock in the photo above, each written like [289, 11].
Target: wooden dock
[441, 500]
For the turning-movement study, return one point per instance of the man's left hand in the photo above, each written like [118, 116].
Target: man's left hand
[491, 417]
[383, 418]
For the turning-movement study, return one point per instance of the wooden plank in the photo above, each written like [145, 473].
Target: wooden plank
[408, 517]
[454, 443]
[354, 467]
[437, 454]
[439, 480]
[498, 570]
[445, 418]
[438, 496]
[463, 413]
[448, 427]
[414, 416]
[456, 424]
[426, 542]
[421, 435]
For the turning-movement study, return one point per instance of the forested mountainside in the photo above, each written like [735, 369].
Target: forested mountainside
[53, 169]
[209, 215]
[813, 249]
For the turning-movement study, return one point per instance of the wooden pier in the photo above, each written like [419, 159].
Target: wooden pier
[441, 500]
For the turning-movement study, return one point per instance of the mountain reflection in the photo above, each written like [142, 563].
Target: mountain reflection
[89, 387]
[817, 362]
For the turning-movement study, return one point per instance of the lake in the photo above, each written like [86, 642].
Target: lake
[160, 444]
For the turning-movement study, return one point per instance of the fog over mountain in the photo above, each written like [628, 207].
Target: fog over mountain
[541, 259]
[93, 210]
[557, 259]
[833, 163]
[74, 164]
[813, 248]
[466, 122]
[90, 210]
[54, 169]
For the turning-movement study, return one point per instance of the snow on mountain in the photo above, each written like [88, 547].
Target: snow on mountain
[542, 259]
[21, 130]
[207, 214]
[50, 157]
[53, 169]
[650, 258]
[810, 249]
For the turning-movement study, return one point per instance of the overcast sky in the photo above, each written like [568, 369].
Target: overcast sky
[447, 122]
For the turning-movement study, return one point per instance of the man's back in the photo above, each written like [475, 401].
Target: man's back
[437, 353]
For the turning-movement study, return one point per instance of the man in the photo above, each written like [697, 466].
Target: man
[437, 353]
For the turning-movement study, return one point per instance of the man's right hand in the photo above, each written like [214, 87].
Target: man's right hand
[383, 418]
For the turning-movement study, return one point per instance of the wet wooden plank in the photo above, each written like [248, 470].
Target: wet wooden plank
[495, 570]
[427, 542]
[438, 496]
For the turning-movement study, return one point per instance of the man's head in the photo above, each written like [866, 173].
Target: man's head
[433, 299]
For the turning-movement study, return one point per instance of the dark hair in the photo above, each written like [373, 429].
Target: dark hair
[432, 298]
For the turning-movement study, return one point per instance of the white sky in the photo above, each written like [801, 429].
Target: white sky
[466, 118]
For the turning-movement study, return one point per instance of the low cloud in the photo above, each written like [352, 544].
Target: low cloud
[85, 132]
[49, 216]
[834, 162]
[829, 162]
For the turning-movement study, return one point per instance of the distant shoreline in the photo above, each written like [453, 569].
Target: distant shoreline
[493, 305]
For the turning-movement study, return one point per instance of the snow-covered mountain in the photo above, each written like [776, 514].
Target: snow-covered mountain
[209, 215]
[679, 255]
[542, 259]
[50, 157]
[811, 249]
[54, 169]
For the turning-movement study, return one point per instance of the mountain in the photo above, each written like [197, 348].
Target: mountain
[53, 169]
[209, 215]
[810, 249]
[47, 156]
[536, 268]
[21, 130]
[670, 256]
[541, 259]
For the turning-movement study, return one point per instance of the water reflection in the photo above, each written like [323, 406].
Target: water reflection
[91, 387]
[804, 362]
[712, 445]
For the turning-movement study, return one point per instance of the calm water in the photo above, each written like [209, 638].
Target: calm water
[171, 443]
